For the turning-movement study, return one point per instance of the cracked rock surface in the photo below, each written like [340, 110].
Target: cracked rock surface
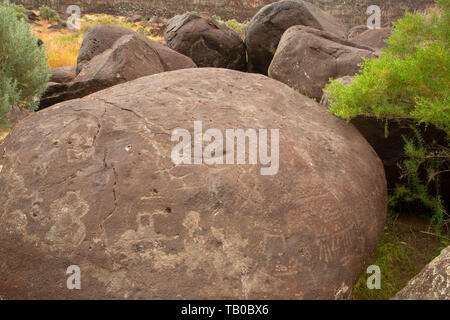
[90, 182]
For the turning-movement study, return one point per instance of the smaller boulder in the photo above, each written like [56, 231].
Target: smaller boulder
[100, 38]
[353, 32]
[432, 283]
[129, 58]
[135, 18]
[265, 29]
[207, 42]
[62, 74]
[156, 20]
[374, 38]
[307, 58]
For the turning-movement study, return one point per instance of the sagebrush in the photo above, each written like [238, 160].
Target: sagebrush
[24, 70]
[409, 81]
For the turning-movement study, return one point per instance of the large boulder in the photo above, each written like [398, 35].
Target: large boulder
[432, 283]
[307, 58]
[207, 42]
[100, 38]
[129, 58]
[63, 74]
[92, 183]
[266, 28]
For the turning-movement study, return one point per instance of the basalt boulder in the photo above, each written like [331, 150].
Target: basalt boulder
[265, 29]
[307, 58]
[100, 38]
[62, 74]
[207, 42]
[93, 183]
[128, 59]
[374, 38]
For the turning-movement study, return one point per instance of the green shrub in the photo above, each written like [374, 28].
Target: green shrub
[410, 80]
[232, 24]
[23, 65]
[21, 12]
[49, 14]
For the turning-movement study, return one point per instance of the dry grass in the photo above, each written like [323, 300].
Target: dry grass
[63, 45]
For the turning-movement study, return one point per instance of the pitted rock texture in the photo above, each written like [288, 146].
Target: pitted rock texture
[264, 31]
[307, 58]
[90, 182]
[207, 42]
[432, 283]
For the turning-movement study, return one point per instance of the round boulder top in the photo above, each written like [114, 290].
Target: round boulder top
[92, 183]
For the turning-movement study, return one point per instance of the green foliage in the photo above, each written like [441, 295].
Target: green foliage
[232, 24]
[49, 14]
[23, 65]
[21, 12]
[424, 189]
[394, 259]
[410, 80]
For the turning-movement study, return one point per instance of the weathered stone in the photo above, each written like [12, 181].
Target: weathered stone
[373, 38]
[100, 38]
[264, 31]
[135, 18]
[156, 20]
[307, 58]
[356, 30]
[207, 42]
[129, 58]
[432, 283]
[62, 74]
[91, 182]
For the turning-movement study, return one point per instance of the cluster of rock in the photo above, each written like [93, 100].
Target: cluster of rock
[110, 55]
[350, 12]
[91, 181]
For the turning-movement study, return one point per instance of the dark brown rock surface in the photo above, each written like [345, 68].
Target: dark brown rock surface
[130, 57]
[90, 182]
[373, 38]
[207, 42]
[264, 31]
[307, 58]
[100, 38]
[62, 74]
